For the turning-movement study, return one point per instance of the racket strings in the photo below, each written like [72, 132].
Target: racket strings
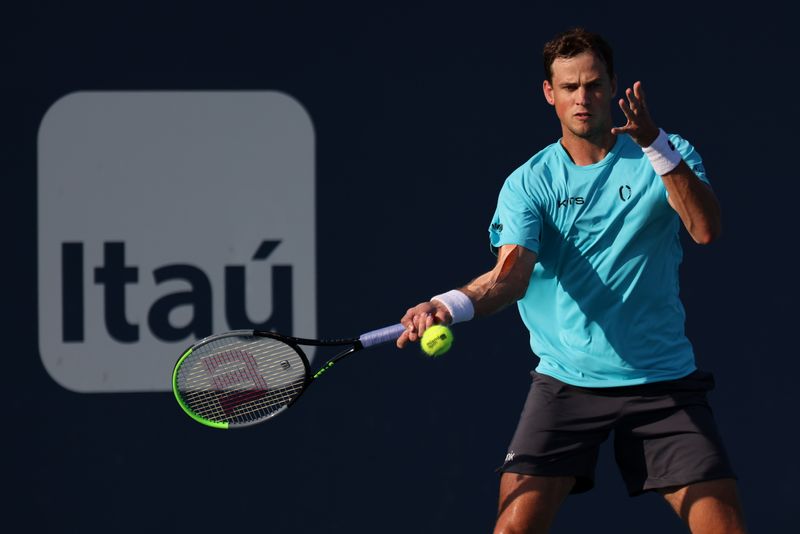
[240, 379]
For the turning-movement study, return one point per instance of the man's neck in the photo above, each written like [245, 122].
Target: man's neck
[588, 150]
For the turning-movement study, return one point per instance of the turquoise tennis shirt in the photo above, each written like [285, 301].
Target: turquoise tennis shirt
[602, 305]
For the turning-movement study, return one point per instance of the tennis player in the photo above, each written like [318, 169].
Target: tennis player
[587, 240]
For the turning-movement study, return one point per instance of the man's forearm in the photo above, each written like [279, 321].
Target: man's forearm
[503, 285]
[694, 202]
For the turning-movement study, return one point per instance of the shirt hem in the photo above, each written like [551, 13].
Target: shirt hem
[615, 382]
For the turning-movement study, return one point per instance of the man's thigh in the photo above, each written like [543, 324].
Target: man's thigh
[668, 438]
[529, 503]
[708, 507]
[560, 432]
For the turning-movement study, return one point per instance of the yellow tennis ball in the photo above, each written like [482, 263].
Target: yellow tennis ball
[436, 340]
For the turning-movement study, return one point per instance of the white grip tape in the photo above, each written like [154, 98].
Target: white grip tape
[458, 304]
[662, 154]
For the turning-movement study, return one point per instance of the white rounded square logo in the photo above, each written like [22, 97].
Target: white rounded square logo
[164, 217]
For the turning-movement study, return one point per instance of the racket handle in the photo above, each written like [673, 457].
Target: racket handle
[382, 335]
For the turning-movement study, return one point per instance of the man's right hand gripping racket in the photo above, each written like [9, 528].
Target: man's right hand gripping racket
[245, 377]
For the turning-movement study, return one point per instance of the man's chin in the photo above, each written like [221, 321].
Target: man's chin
[590, 131]
[585, 132]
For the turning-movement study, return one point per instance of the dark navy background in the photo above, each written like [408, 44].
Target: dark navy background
[419, 114]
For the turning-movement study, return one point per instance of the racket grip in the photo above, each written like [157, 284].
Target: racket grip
[382, 335]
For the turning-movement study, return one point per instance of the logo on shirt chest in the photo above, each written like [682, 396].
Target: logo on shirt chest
[571, 201]
[625, 192]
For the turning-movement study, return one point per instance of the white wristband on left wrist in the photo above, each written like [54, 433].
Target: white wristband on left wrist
[662, 154]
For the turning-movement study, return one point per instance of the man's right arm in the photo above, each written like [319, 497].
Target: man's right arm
[489, 293]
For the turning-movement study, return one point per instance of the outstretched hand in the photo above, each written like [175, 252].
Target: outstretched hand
[640, 125]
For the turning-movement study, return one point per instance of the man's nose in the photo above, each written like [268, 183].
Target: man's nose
[582, 96]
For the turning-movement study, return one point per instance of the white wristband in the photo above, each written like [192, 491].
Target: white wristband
[458, 304]
[662, 154]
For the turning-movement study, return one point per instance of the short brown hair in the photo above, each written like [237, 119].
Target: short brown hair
[573, 42]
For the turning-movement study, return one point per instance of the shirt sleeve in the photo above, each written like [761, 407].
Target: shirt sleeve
[516, 220]
[690, 156]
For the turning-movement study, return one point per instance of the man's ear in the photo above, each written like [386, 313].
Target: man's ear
[547, 88]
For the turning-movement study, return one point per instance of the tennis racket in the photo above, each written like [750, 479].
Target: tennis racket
[244, 377]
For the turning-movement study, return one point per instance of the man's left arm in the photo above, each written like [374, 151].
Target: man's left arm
[690, 197]
[695, 203]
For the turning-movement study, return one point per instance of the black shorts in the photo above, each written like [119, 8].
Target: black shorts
[664, 433]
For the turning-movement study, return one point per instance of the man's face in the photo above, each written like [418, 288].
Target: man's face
[581, 92]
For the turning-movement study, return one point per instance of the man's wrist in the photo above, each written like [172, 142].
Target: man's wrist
[650, 138]
[458, 305]
[662, 154]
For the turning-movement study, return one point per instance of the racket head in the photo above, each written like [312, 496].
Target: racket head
[239, 378]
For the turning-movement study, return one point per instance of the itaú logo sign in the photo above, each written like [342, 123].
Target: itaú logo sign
[164, 217]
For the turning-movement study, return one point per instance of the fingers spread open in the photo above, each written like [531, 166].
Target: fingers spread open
[638, 90]
[635, 103]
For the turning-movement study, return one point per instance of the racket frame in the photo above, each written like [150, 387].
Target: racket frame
[294, 342]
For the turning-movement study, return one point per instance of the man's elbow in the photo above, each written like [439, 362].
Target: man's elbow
[707, 235]
[520, 288]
